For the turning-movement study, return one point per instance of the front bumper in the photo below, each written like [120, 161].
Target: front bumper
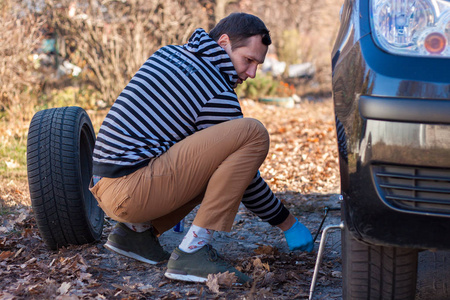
[398, 191]
[395, 168]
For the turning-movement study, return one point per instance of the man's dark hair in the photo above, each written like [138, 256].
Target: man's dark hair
[239, 27]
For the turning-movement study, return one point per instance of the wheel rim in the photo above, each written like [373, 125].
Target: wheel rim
[93, 211]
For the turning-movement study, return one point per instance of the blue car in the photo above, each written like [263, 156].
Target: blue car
[391, 92]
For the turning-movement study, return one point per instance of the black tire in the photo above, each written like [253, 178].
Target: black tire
[433, 280]
[59, 162]
[377, 272]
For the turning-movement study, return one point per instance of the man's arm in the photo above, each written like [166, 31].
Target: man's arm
[223, 107]
[260, 200]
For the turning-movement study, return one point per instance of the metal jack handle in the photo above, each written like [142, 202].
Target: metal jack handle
[326, 209]
[319, 255]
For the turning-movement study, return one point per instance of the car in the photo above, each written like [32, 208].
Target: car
[391, 96]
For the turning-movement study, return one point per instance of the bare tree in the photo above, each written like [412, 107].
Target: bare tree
[20, 35]
[116, 37]
[110, 39]
[301, 30]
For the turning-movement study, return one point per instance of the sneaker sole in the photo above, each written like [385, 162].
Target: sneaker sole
[185, 277]
[130, 254]
[191, 278]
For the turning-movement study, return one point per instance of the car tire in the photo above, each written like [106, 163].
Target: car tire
[377, 272]
[59, 165]
[433, 280]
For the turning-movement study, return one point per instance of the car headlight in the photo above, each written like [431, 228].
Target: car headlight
[412, 27]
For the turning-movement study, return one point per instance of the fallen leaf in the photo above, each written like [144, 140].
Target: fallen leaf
[27, 232]
[176, 295]
[257, 263]
[64, 288]
[226, 279]
[67, 297]
[6, 254]
[34, 289]
[147, 289]
[162, 283]
[7, 296]
[213, 283]
[336, 274]
[21, 218]
[18, 252]
[11, 164]
[293, 275]
[267, 250]
[269, 278]
[85, 276]
[30, 261]
[122, 287]
[282, 129]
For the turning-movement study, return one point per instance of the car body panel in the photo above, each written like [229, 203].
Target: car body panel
[391, 111]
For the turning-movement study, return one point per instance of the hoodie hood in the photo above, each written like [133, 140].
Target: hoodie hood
[200, 43]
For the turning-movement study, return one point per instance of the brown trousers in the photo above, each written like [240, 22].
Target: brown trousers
[213, 167]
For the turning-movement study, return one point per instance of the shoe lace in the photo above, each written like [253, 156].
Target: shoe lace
[215, 257]
[151, 234]
[219, 260]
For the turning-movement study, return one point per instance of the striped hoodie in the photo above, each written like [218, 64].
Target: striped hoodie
[178, 91]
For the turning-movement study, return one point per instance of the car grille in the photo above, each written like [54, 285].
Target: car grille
[414, 189]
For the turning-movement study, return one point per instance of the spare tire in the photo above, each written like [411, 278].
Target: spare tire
[59, 162]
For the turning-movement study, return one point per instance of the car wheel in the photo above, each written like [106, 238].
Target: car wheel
[377, 272]
[59, 163]
[433, 280]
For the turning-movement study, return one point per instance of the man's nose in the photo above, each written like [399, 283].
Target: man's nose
[251, 71]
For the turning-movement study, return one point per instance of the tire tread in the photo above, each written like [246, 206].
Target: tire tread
[377, 272]
[56, 189]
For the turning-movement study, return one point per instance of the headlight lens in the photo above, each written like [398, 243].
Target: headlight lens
[412, 27]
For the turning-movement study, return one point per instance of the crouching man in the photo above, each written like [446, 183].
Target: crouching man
[175, 138]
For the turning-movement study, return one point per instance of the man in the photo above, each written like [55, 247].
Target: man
[176, 138]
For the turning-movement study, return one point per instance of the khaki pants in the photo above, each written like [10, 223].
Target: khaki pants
[213, 167]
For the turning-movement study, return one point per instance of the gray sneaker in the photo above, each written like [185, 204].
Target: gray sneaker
[142, 246]
[195, 267]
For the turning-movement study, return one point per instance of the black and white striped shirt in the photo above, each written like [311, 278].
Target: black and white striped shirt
[178, 91]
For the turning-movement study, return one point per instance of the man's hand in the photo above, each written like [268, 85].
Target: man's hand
[298, 237]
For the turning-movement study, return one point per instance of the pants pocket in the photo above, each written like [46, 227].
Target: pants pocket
[120, 208]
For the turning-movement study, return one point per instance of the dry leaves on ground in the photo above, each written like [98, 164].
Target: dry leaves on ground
[303, 151]
[215, 281]
[302, 161]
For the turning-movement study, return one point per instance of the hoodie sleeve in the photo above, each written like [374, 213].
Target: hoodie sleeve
[221, 108]
[260, 200]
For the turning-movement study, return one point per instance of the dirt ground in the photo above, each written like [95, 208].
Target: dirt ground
[301, 169]
[32, 271]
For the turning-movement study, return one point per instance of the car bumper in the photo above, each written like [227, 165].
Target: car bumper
[399, 190]
[395, 174]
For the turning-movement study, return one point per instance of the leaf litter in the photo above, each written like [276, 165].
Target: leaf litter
[302, 170]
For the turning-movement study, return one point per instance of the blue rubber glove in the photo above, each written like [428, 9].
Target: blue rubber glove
[298, 237]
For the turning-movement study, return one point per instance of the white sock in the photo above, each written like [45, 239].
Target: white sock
[139, 227]
[195, 239]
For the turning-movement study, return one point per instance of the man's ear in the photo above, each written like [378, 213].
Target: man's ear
[224, 40]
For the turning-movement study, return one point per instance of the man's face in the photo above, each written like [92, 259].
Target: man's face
[247, 58]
